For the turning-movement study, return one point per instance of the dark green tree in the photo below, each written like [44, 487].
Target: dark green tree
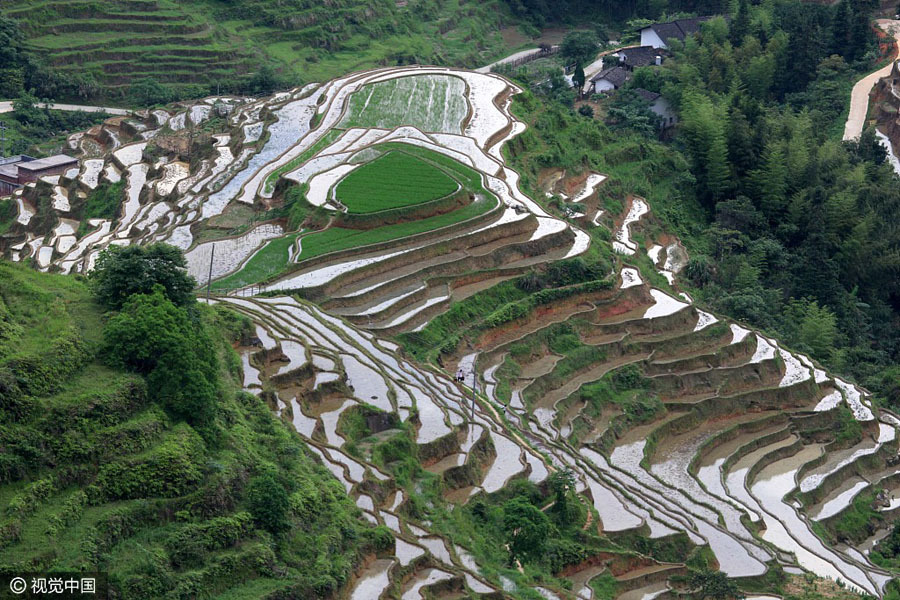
[121, 272]
[741, 150]
[715, 585]
[562, 483]
[629, 111]
[28, 111]
[527, 529]
[148, 91]
[860, 32]
[579, 47]
[269, 503]
[841, 26]
[740, 25]
[154, 337]
[770, 182]
[578, 77]
[264, 81]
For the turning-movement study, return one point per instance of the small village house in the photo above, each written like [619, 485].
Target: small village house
[16, 171]
[660, 35]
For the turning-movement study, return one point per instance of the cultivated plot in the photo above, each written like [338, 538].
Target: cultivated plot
[394, 180]
[428, 102]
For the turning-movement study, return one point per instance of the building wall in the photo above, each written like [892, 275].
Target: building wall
[6, 188]
[603, 86]
[649, 38]
[26, 176]
[661, 107]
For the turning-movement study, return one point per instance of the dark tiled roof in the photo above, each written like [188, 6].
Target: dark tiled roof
[646, 94]
[640, 56]
[678, 29]
[614, 75]
[668, 31]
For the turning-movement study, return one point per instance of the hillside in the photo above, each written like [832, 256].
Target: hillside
[623, 441]
[202, 47]
[98, 475]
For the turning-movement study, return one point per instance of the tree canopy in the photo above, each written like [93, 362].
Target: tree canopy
[580, 47]
[527, 528]
[173, 349]
[121, 272]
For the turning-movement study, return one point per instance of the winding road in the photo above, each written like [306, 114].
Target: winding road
[7, 106]
[859, 97]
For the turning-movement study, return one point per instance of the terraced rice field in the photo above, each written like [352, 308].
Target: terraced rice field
[432, 103]
[679, 426]
[394, 180]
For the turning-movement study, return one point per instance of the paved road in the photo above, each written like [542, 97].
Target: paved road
[510, 58]
[859, 97]
[6, 106]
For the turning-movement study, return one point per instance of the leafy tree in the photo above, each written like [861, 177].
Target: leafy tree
[527, 529]
[629, 111]
[741, 149]
[586, 110]
[561, 483]
[28, 112]
[12, 82]
[812, 326]
[154, 337]
[704, 133]
[579, 47]
[841, 24]
[770, 182]
[121, 272]
[269, 503]
[578, 77]
[148, 91]
[264, 81]
[715, 585]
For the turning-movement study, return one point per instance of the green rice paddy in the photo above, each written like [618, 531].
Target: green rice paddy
[393, 180]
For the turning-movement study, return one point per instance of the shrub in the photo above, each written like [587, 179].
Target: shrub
[269, 503]
[154, 337]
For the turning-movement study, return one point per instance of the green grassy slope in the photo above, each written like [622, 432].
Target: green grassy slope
[219, 43]
[95, 476]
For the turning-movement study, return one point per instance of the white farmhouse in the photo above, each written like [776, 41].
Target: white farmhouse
[659, 35]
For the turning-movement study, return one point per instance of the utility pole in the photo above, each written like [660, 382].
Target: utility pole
[209, 279]
[3, 129]
[474, 385]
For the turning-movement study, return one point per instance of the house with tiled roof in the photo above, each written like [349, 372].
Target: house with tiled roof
[660, 35]
[607, 80]
[16, 171]
[660, 106]
[639, 56]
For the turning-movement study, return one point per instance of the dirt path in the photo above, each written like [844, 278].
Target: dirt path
[859, 97]
[6, 107]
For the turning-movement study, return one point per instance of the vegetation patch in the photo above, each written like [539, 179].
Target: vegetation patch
[105, 472]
